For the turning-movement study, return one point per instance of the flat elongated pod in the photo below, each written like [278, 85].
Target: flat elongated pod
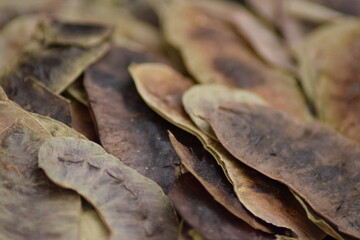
[55, 67]
[55, 128]
[276, 12]
[31, 206]
[132, 206]
[212, 52]
[311, 11]
[31, 95]
[15, 35]
[275, 204]
[261, 37]
[351, 7]
[75, 34]
[77, 91]
[212, 178]
[127, 30]
[128, 128]
[82, 121]
[10, 112]
[201, 100]
[331, 82]
[92, 227]
[318, 164]
[205, 215]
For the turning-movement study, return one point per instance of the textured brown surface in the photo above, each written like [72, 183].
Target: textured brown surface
[212, 178]
[132, 206]
[31, 206]
[201, 100]
[55, 67]
[351, 7]
[263, 40]
[207, 216]
[81, 120]
[317, 163]
[331, 76]
[264, 198]
[75, 34]
[128, 128]
[34, 97]
[10, 112]
[212, 52]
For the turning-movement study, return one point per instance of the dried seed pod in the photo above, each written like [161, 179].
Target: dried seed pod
[127, 127]
[74, 34]
[55, 67]
[330, 74]
[274, 203]
[201, 100]
[131, 205]
[31, 95]
[318, 164]
[207, 217]
[32, 206]
[212, 52]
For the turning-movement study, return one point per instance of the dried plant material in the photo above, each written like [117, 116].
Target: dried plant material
[15, 35]
[318, 164]
[56, 128]
[315, 218]
[10, 112]
[132, 206]
[205, 215]
[212, 178]
[31, 95]
[212, 52]
[22, 5]
[351, 7]
[188, 233]
[330, 74]
[259, 35]
[311, 11]
[92, 227]
[143, 11]
[276, 12]
[55, 67]
[201, 100]
[77, 91]
[81, 120]
[264, 198]
[127, 128]
[127, 30]
[74, 34]
[8, 14]
[266, 9]
[32, 206]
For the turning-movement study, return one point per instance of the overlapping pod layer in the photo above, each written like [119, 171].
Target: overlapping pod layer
[131, 205]
[201, 100]
[195, 205]
[76, 34]
[318, 164]
[328, 61]
[32, 206]
[259, 35]
[212, 52]
[166, 100]
[205, 169]
[55, 67]
[127, 128]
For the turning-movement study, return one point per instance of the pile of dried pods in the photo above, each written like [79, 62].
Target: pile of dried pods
[179, 119]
